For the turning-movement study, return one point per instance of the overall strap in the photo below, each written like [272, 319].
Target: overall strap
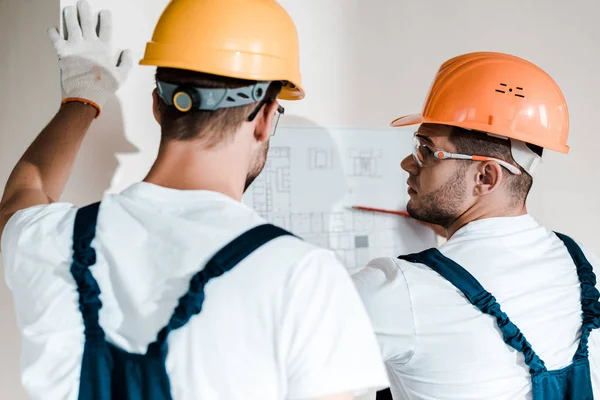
[589, 294]
[84, 256]
[480, 298]
[226, 259]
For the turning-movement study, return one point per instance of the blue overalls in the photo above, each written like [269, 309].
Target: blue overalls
[570, 383]
[109, 373]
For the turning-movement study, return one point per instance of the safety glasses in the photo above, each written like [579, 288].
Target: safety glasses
[280, 111]
[426, 156]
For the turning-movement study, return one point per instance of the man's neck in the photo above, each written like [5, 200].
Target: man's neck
[475, 214]
[189, 166]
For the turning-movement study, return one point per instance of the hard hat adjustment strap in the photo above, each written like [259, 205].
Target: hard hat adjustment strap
[525, 157]
[188, 97]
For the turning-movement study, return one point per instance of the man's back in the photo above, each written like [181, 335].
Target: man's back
[439, 346]
[284, 323]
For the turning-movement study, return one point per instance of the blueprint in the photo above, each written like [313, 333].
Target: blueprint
[312, 177]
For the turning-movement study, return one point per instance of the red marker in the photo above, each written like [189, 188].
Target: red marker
[380, 210]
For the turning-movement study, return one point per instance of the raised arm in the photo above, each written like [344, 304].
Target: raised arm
[91, 73]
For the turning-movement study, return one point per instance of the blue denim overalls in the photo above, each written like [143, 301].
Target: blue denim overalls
[570, 383]
[109, 373]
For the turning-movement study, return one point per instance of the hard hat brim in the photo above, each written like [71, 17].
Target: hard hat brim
[416, 119]
[407, 120]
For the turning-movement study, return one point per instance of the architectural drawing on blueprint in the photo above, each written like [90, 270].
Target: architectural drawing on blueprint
[356, 237]
[320, 158]
[311, 178]
[271, 191]
[366, 163]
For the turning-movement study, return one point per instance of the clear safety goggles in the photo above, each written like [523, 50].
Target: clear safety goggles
[426, 156]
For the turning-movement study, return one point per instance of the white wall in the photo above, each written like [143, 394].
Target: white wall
[29, 87]
[364, 63]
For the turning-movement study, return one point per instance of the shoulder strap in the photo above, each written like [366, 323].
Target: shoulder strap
[589, 294]
[480, 298]
[226, 259]
[84, 256]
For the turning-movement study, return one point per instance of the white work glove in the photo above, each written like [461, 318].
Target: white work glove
[91, 71]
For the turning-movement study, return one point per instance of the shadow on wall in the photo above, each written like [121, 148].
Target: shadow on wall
[325, 186]
[289, 182]
[97, 161]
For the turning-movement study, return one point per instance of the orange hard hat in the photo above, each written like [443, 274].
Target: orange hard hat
[245, 39]
[499, 94]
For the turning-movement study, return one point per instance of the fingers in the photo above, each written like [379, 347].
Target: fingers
[124, 64]
[125, 60]
[79, 22]
[55, 37]
[86, 19]
[72, 29]
[105, 26]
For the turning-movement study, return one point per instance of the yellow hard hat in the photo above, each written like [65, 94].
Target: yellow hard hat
[244, 39]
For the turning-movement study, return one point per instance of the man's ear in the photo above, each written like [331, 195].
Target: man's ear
[488, 178]
[264, 121]
[155, 106]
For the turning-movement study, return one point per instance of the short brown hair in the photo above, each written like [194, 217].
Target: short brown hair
[482, 144]
[210, 126]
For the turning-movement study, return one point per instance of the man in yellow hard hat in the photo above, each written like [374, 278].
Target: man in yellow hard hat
[506, 308]
[173, 289]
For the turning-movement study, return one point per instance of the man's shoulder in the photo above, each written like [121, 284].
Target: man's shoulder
[42, 232]
[45, 221]
[589, 254]
[564, 241]
[303, 257]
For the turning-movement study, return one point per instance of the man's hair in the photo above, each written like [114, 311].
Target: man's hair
[212, 127]
[482, 144]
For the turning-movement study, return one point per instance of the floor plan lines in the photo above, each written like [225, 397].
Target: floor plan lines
[320, 158]
[314, 175]
[366, 163]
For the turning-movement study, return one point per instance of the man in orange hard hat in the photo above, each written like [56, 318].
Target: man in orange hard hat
[505, 309]
[173, 289]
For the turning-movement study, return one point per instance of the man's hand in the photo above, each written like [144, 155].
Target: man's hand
[90, 69]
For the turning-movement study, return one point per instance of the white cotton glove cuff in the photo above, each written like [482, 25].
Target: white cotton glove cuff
[91, 72]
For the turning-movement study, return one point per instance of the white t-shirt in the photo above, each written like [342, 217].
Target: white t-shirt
[285, 323]
[437, 345]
